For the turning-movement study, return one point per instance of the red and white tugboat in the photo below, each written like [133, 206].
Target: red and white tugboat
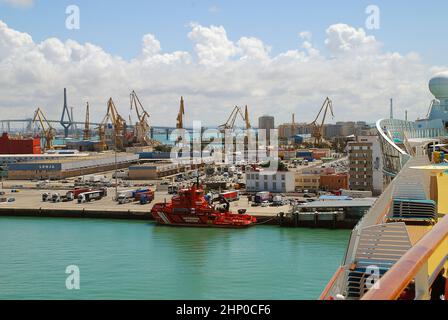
[189, 208]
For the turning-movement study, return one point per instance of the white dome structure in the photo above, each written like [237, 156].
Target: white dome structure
[438, 85]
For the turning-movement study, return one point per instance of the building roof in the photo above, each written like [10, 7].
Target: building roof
[367, 202]
[44, 156]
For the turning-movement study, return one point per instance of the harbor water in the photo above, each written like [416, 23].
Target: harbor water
[139, 260]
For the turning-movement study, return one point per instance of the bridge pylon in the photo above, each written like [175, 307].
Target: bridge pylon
[66, 119]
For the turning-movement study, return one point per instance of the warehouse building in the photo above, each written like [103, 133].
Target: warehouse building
[151, 171]
[61, 168]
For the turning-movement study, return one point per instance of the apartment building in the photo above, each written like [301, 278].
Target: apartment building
[280, 182]
[365, 166]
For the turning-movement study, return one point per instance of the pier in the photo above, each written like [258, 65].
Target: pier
[28, 203]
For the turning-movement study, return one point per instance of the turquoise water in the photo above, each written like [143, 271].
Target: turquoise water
[139, 260]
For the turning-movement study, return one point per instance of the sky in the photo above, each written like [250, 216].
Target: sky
[277, 57]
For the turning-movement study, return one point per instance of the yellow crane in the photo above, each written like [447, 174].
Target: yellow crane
[47, 130]
[142, 127]
[317, 127]
[87, 124]
[118, 124]
[246, 118]
[180, 115]
[230, 123]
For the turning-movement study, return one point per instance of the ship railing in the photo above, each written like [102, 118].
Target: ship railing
[394, 157]
[376, 215]
[335, 286]
[421, 264]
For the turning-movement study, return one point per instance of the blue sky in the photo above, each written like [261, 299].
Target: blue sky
[118, 26]
[223, 53]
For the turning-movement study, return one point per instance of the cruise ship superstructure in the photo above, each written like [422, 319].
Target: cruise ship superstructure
[399, 250]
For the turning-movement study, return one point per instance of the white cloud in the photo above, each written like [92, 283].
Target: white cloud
[343, 39]
[19, 3]
[306, 35]
[211, 44]
[354, 71]
[253, 48]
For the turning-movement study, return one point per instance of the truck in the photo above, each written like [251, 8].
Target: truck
[125, 196]
[260, 197]
[121, 174]
[136, 195]
[56, 197]
[173, 189]
[230, 196]
[92, 196]
[46, 197]
[144, 193]
[277, 201]
[144, 196]
[73, 194]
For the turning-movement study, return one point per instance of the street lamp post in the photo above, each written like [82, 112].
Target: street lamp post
[116, 173]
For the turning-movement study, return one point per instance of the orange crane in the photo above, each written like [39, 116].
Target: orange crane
[317, 127]
[142, 127]
[87, 124]
[48, 131]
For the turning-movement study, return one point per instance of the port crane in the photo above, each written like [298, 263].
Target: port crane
[317, 127]
[230, 123]
[48, 131]
[142, 127]
[87, 124]
[180, 115]
[118, 124]
[246, 118]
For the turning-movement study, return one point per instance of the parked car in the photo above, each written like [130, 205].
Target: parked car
[46, 197]
[55, 197]
[265, 204]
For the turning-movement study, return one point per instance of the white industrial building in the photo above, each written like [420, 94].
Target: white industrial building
[281, 182]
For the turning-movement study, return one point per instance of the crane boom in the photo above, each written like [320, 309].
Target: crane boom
[87, 123]
[230, 123]
[46, 128]
[142, 127]
[317, 128]
[118, 124]
[180, 115]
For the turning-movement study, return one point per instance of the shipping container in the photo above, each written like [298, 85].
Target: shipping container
[230, 196]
